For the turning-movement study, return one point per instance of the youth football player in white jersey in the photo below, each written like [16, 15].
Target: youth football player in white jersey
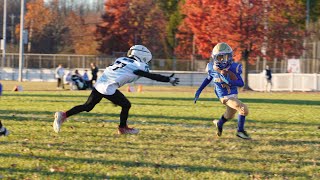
[226, 89]
[124, 70]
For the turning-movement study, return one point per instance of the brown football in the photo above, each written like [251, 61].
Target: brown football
[230, 73]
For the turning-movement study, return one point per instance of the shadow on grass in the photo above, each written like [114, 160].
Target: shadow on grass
[271, 160]
[187, 168]
[246, 100]
[66, 174]
[13, 116]
[190, 99]
[293, 142]
[56, 95]
[283, 122]
[170, 120]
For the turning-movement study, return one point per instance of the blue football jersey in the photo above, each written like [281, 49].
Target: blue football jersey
[119, 74]
[221, 88]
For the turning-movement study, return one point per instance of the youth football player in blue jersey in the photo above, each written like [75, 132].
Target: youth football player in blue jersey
[124, 70]
[226, 76]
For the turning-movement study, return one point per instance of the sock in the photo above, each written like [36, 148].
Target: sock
[122, 125]
[124, 117]
[222, 120]
[241, 121]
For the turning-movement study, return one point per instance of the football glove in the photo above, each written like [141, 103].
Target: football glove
[174, 81]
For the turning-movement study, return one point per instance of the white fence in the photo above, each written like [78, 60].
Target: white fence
[280, 81]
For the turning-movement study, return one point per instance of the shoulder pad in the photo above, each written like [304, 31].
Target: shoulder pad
[236, 68]
[209, 67]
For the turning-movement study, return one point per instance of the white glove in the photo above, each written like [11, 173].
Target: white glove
[174, 81]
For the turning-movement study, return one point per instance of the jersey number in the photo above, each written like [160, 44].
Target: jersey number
[118, 65]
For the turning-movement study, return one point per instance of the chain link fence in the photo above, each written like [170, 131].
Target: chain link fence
[50, 61]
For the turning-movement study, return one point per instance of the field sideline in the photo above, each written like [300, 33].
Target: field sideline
[177, 138]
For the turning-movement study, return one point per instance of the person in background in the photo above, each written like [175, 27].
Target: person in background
[76, 73]
[94, 72]
[268, 76]
[86, 79]
[85, 75]
[59, 75]
[67, 78]
[3, 131]
[78, 81]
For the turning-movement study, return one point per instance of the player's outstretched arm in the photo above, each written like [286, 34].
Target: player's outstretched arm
[157, 77]
[203, 85]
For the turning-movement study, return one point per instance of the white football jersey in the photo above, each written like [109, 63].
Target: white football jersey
[119, 74]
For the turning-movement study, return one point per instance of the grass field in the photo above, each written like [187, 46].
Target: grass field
[177, 138]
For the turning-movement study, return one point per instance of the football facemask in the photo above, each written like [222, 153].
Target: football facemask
[222, 60]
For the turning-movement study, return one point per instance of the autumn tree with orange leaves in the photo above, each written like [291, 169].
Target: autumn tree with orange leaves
[285, 29]
[246, 25]
[82, 34]
[53, 28]
[36, 19]
[129, 22]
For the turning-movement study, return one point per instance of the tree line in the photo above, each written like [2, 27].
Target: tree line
[170, 28]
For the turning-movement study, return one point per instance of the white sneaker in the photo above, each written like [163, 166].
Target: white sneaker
[4, 131]
[59, 118]
[219, 129]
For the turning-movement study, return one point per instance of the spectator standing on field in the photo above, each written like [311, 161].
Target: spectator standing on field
[268, 76]
[59, 75]
[94, 72]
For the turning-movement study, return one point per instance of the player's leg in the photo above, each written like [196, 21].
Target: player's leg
[3, 131]
[58, 82]
[60, 117]
[62, 83]
[243, 111]
[229, 114]
[270, 82]
[119, 99]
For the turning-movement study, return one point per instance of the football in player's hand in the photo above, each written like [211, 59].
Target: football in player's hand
[230, 73]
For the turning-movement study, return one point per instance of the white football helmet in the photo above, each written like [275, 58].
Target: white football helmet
[140, 53]
[222, 55]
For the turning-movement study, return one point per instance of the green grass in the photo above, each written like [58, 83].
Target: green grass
[177, 138]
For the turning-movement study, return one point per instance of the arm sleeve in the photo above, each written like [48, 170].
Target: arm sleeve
[239, 82]
[204, 83]
[156, 77]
